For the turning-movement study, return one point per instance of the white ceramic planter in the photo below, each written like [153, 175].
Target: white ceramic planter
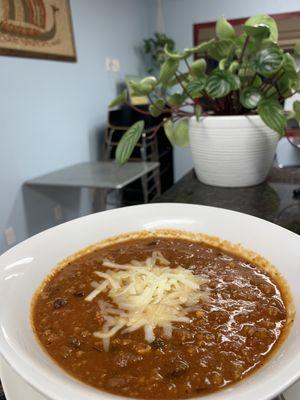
[232, 151]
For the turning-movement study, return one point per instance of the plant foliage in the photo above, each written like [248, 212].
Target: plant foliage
[253, 76]
[154, 47]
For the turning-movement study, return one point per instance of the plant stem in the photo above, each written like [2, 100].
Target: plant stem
[138, 109]
[183, 88]
[151, 101]
[177, 110]
[156, 129]
[252, 80]
[273, 82]
[243, 49]
[219, 105]
[188, 65]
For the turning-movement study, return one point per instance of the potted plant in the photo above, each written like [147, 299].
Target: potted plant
[233, 115]
[153, 48]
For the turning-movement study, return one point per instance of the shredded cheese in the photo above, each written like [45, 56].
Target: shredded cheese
[146, 294]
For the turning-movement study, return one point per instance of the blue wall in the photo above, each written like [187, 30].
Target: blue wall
[52, 112]
[180, 15]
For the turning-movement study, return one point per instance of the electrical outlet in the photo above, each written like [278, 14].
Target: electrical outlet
[115, 65]
[58, 214]
[108, 64]
[10, 236]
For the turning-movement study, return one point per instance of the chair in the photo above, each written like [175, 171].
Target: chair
[146, 150]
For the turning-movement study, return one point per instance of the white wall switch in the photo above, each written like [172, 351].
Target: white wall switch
[58, 214]
[115, 65]
[10, 236]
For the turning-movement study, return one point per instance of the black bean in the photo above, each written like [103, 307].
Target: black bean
[60, 302]
[153, 243]
[97, 349]
[176, 369]
[79, 294]
[158, 344]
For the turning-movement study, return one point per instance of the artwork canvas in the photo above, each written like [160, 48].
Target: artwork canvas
[37, 28]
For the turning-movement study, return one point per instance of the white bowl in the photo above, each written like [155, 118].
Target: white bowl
[24, 267]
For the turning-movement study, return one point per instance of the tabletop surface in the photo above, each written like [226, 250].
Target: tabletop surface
[272, 200]
[97, 175]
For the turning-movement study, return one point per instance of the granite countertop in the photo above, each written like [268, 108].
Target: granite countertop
[272, 200]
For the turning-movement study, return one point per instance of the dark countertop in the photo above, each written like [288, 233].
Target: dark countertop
[272, 200]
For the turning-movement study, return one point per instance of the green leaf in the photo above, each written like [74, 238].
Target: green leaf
[251, 48]
[296, 82]
[246, 71]
[250, 97]
[119, 100]
[224, 30]
[175, 55]
[200, 48]
[181, 133]
[169, 131]
[128, 142]
[268, 61]
[195, 87]
[233, 67]
[178, 135]
[181, 78]
[149, 80]
[257, 82]
[290, 115]
[260, 31]
[272, 114]
[262, 19]
[240, 40]
[141, 88]
[220, 83]
[297, 48]
[234, 81]
[168, 70]
[157, 108]
[223, 64]
[219, 49]
[284, 86]
[198, 111]
[289, 65]
[176, 99]
[198, 68]
[296, 108]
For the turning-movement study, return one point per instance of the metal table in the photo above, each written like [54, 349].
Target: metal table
[99, 176]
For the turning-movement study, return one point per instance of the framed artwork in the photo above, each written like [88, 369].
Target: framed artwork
[37, 28]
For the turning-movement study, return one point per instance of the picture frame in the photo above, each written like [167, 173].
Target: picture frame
[37, 29]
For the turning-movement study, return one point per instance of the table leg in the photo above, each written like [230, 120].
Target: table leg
[99, 200]
[119, 198]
